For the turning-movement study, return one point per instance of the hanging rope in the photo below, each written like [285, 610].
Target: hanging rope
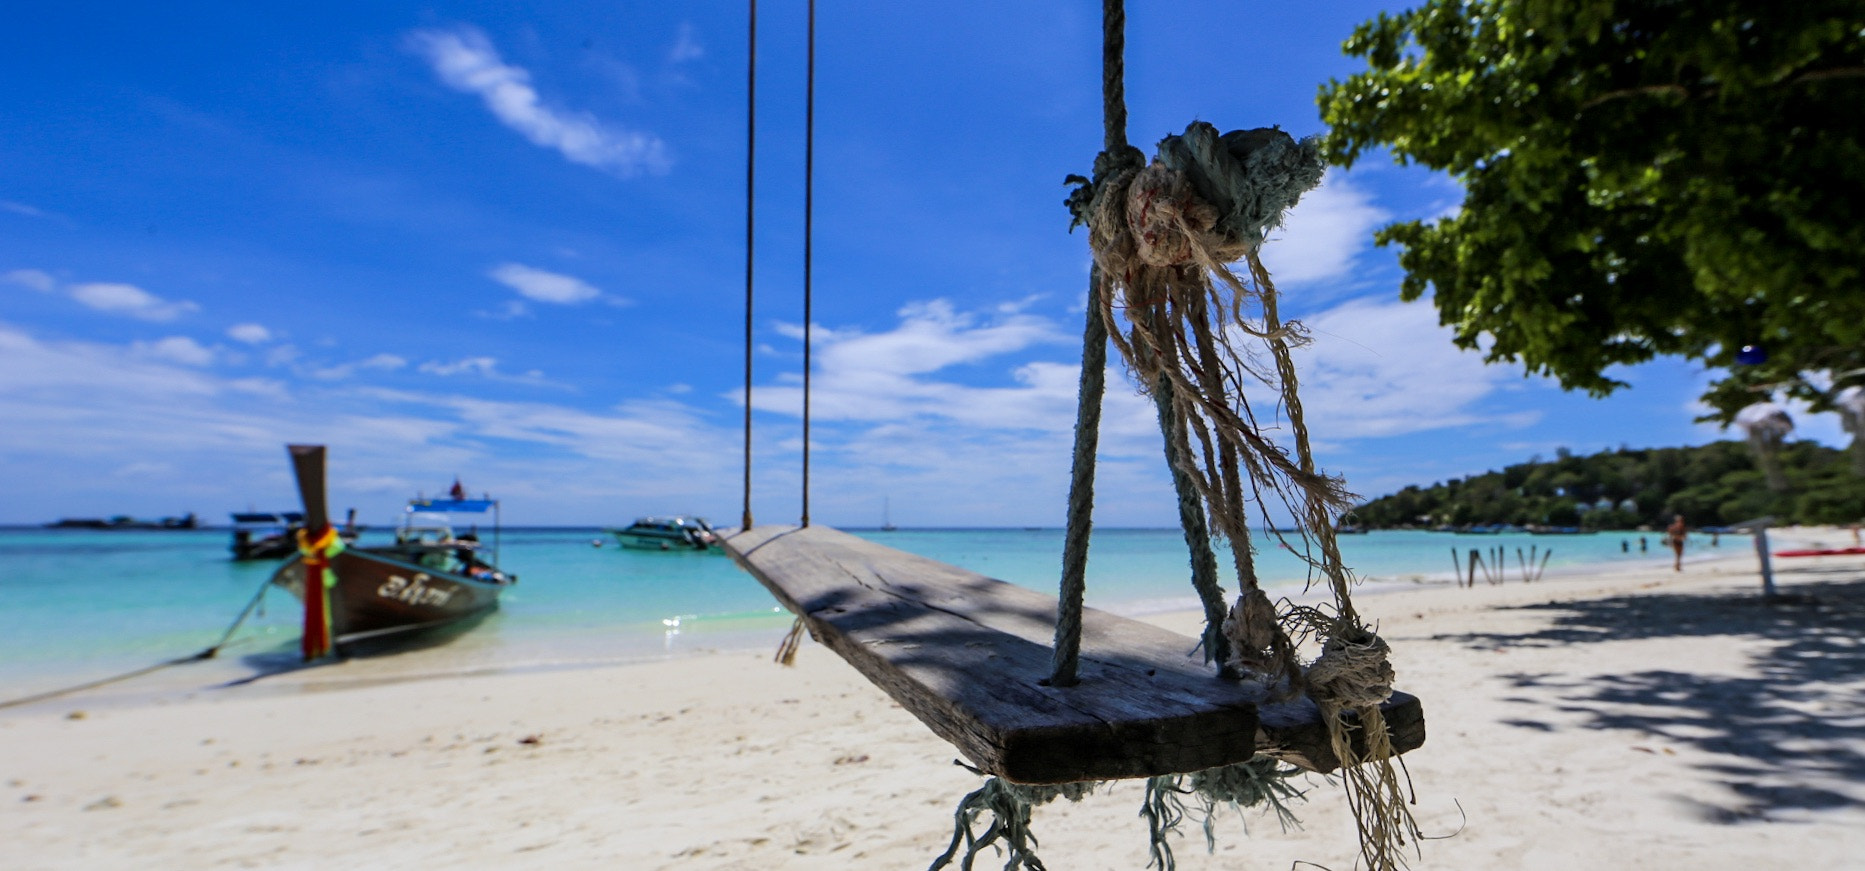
[809, 190]
[1165, 234]
[1009, 805]
[1116, 160]
[751, 169]
[1067, 653]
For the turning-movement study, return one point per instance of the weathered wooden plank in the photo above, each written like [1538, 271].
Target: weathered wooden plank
[970, 656]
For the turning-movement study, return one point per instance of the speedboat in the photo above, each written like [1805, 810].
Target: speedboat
[678, 532]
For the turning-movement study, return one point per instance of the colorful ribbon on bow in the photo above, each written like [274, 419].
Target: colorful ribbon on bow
[318, 554]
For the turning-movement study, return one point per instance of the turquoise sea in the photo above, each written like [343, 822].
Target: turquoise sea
[84, 604]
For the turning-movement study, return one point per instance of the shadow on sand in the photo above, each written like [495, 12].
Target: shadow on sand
[282, 661]
[1788, 734]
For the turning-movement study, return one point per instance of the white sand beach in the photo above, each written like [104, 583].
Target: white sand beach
[1637, 719]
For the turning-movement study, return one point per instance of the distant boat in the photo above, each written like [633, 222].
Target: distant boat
[124, 521]
[261, 535]
[887, 520]
[677, 532]
[428, 578]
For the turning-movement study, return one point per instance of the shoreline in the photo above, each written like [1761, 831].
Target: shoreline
[263, 659]
[1633, 716]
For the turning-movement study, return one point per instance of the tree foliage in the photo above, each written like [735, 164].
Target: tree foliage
[1712, 485]
[1641, 178]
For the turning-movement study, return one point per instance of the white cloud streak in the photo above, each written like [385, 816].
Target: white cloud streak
[686, 46]
[544, 286]
[177, 349]
[487, 366]
[942, 396]
[34, 279]
[377, 363]
[465, 60]
[129, 300]
[251, 334]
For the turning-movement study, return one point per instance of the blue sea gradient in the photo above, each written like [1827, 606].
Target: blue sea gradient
[82, 604]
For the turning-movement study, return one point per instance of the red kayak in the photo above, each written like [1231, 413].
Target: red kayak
[1833, 551]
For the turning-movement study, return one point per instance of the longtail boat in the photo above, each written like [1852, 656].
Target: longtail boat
[428, 578]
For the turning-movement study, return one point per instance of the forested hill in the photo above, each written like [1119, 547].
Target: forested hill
[1712, 485]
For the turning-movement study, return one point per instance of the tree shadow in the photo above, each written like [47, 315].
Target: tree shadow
[1788, 734]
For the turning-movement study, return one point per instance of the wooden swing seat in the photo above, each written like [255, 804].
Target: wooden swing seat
[970, 656]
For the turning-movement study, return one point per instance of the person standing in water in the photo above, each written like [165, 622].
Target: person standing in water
[1674, 536]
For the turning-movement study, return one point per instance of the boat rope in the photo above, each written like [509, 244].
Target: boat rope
[751, 167]
[209, 652]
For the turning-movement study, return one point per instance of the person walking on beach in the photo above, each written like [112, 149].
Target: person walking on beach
[1674, 535]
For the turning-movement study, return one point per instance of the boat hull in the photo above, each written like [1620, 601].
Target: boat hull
[263, 548]
[648, 541]
[389, 591]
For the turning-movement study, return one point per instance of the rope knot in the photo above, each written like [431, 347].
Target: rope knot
[1109, 167]
[1253, 632]
[1165, 216]
[1353, 671]
[1247, 178]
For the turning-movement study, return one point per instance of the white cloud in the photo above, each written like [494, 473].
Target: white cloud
[466, 60]
[176, 349]
[130, 300]
[379, 363]
[882, 376]
[21, 209]
[512, 310]
[470, 365]
[385, 362]
[1380, 369]
[282, 355]
[923, 403]
[251, 334]
[73, 408]
[32, 278]
[543, 286]
[1331, 226]
[686, 46]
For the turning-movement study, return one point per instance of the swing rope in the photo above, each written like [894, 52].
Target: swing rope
[809, 189]
[1160, 233]
[751, 190]
[1067, 654]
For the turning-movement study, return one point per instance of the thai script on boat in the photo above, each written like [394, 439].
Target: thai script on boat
[415, 592]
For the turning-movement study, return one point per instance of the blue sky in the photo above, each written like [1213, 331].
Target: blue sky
[508, 243]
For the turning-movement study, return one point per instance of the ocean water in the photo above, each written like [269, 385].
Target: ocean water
[84, 604]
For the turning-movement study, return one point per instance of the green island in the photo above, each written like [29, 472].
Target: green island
[1712, 485]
